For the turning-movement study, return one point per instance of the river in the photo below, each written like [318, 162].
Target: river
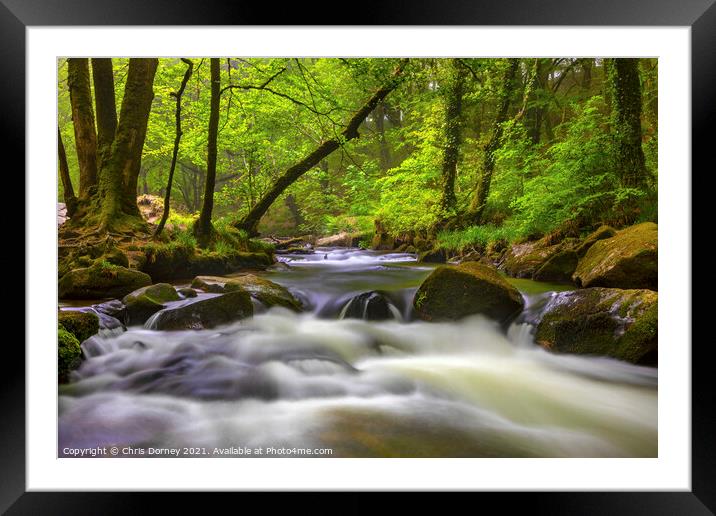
[321, 383]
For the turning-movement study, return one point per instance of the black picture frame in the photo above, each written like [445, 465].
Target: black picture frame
[700, 15]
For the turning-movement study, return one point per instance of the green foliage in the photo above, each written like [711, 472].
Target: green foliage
[476, 237]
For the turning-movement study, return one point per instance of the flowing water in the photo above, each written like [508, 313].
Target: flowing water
[326, 379]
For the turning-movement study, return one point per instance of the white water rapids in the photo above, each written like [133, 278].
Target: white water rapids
[361, 388]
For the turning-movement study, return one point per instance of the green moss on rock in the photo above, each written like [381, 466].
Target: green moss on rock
[144, 302]
[433, 256]
[101, 280]
[622, 324]
[206, 313]
[559, 267]
[80, 324]
[453, 292]
[267, 292]
[69, 353]
[602, 233]
[628, 260]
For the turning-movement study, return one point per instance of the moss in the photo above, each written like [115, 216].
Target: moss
[559, 267]
[144, 302]
[207, 313]
[81, 324]
[450, 293]
[101, 280]
[628, 260]
[69, 353]
[267, 292]
[601, 321]
[603, 232]
[433, 256]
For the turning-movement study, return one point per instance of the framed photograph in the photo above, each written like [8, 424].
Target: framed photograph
[418, 252]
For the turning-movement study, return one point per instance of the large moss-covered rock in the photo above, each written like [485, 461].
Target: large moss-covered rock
[265, 291]
[602, 321]
[628, 260]
[80, 324]
[523, 260]
[602, 233]
[450, 293]
[559, 267]
[206, 313]
[146, 301]
[69, 353]
[101, 280]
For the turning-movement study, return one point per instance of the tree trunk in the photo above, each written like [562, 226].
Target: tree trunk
[202, 228]
[78, 80]
[251, 220]
[295, 210]
[488, 163]
[103, 79]
[177, 139]
[626, 121]
[118, 177]
[380, 116]
[451, 152]
[68, 191]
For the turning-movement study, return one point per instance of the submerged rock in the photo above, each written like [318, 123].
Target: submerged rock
[267, 292]
[146, 301]
[450, 293]
[369, 306]
[628, 260]
[101, 280]
[610, 322]
[206, 313]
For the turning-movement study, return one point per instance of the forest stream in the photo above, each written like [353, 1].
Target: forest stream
[327, 379]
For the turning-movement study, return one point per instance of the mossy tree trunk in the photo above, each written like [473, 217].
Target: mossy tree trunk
[68, 191]
[202, 228]
[78, 81]
[453, 123]
[103, 79]
[116, 200]
[482, 190]
[625, 91]
[177, 138]
[250, 222]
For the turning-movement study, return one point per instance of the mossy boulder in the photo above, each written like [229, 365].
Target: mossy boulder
[523, 260]
[453, 292]
[265, 291]
[80, 324]
[610, 322]
[101, 280]
[433, 256]
[628, 260]
[559, 267]
[146, 301]
[602, 233]
[206, 313]
[69, 353]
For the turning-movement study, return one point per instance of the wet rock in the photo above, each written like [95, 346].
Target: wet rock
[610, 322]
[628, 260]
[603, 232]
[187, 292]
[206, 313]
[369, 306]
[559, 267]
[146, 301]
[267, 292]
[80, 324]
[523, 260]
[450, 293]
[433, 256]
